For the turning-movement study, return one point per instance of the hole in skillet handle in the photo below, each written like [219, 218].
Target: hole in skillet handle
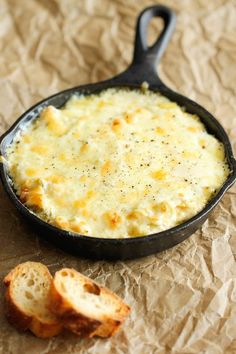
[145, 58]
[155, 27]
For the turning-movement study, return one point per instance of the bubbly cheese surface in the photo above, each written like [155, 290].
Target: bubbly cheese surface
[123, 163]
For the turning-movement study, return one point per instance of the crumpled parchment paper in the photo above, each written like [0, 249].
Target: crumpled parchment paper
[183, 300]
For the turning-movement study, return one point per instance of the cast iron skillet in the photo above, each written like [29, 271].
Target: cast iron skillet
[141, 69]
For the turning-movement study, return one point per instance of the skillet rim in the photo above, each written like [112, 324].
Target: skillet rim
[141, 69]
[96, 88]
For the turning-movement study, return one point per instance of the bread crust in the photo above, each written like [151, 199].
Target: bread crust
[103, 324]
[72, 320]
[79, 323]
[15, 316]
[45, 330]
[20, 319]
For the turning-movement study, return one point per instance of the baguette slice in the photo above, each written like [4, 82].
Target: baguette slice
[84, 307]
[28, 286]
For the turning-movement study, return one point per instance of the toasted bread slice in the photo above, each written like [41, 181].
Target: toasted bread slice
[84, 307]
[27, 300]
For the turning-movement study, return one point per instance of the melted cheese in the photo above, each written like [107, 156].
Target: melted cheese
[123, 163]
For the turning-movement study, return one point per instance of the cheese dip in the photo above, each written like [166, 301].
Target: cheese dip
[118, 164]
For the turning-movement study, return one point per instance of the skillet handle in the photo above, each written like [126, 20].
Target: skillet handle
[143, 66]
[142, 52]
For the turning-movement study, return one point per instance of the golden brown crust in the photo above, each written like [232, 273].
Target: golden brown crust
[45, 330]
[79, 323]
[66, 313]
[10, 276]
[72, 320]
[15, 316]
[20, 319]
[108, 329]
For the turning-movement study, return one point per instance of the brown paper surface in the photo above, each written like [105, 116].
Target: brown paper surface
[184, 299]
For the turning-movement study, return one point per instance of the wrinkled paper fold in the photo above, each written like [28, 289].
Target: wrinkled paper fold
[184, 299]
